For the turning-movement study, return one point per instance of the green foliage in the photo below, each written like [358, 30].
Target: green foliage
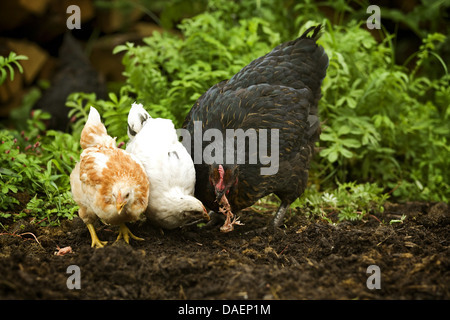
[427, 12]
[169, 74]
[383, 123]
[384, 126]
[114, 112]
[7, 63]
[36, 166]
[349, 201]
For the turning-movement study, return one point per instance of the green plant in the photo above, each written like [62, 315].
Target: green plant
[349, 201]
[7, 63]
[114, 112]
[384, 124]
[34, 172]
[401, 220]
[168, 74]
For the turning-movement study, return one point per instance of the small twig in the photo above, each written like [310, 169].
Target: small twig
[283, 250]
[35, 238]
[39, 222]
[193, 222]
[395, 188]
[384, 239]
[20, 235]
[9, 234]
[371, 215]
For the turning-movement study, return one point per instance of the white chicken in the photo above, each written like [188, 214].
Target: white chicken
[169, 168]
[107, 182]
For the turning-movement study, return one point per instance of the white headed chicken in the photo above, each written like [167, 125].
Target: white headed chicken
[169, 167]
[107, 183]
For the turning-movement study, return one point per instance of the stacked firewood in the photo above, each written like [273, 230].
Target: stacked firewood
[62, 60]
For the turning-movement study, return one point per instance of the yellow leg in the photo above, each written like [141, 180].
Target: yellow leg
[125, 233]
[96, 243]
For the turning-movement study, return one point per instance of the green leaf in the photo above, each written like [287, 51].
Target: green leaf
[327, 137]
[120, 48]
[346, 153]
[2, 76]
[343, 130]
[351, 143]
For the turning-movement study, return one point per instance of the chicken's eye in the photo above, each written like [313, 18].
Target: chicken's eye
[126, 196]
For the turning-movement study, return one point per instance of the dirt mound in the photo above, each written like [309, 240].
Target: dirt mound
[305, 260]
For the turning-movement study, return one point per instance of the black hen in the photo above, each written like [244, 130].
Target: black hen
[278, 92]
[74, 74]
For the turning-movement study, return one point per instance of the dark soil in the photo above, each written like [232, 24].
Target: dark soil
[307, 259]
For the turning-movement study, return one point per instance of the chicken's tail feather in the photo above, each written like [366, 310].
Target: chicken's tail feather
[316, 32]
[311, 61]
[136, 119]
[94, 132]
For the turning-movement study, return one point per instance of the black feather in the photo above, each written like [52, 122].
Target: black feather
[143, 118]
[281, 91]
[131, 131]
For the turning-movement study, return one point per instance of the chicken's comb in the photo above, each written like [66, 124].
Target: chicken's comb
[221, 172]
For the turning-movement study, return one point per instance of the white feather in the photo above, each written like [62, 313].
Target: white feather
[169, 167]
[136, 119]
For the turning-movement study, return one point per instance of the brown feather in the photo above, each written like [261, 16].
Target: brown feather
[102, 169]
[89, 135]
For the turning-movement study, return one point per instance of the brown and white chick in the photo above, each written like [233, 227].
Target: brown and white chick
[108, 182]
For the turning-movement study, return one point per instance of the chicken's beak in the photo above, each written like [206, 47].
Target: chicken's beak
[120, 203]
[219, 194]
[205, 214]
[120, 206]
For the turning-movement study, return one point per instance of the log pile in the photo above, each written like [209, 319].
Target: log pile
[38, 29]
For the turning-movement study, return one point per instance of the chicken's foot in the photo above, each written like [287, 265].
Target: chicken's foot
[125, 233]
[96, 242]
